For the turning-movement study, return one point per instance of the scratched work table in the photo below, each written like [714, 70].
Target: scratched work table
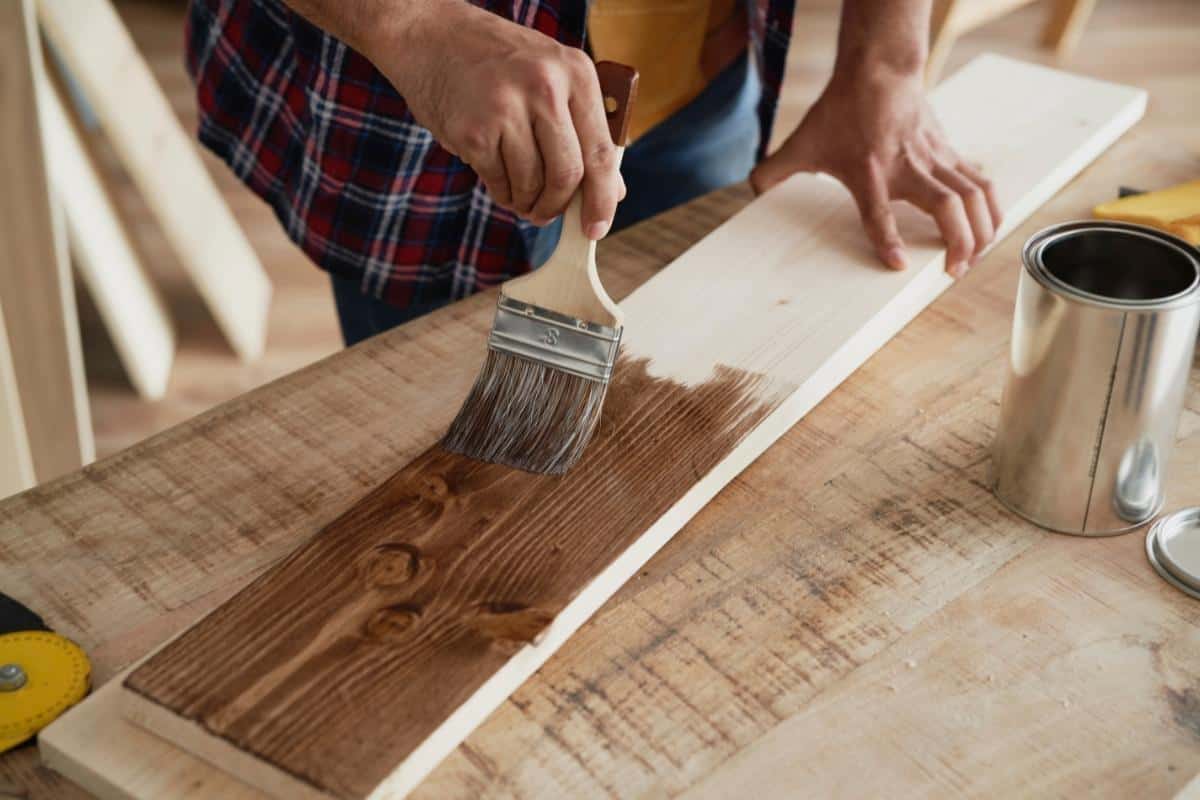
[855, 613]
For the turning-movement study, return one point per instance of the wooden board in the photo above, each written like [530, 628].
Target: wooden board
[145, 134]
[35, 278]
[532, 581]
[828, 552]
[132, 311]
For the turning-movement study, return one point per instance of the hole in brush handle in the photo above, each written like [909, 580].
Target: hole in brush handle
[618, 84]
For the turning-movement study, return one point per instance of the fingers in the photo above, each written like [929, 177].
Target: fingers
[871, 195]
[946, 207]
[522, 164]
[976, 176]
[602, 184]
[770, 171]
[563, 165]
[490, 169]
[974, 203]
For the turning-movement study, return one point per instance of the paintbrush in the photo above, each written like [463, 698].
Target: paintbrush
[537, 399]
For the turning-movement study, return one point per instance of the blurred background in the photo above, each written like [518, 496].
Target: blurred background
[1148, 43]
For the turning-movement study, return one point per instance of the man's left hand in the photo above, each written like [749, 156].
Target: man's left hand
[877, 134]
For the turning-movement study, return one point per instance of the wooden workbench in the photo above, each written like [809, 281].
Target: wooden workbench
[854, 613]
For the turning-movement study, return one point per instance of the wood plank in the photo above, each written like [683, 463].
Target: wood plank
[353, 398]
[16, 465]
[43, 331]
[501, 597]
[145, 134]
[79, 752]
[131, 308]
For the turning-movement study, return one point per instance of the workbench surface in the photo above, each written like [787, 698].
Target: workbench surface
[855, 613]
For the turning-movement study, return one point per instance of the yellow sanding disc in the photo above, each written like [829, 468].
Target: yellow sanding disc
[46, 674]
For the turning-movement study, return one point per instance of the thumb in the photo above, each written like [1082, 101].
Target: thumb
[795, 155]
[772, 170]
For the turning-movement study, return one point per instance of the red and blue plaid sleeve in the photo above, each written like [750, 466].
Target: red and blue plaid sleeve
[314, 129]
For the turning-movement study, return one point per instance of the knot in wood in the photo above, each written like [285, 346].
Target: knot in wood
[394, 563]
[514, 623]
[392, 622]
[434, 487]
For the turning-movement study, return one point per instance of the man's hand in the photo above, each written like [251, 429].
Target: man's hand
[873, 130]
[525, 112]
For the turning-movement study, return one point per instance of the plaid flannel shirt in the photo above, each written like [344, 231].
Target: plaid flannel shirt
[315, 130]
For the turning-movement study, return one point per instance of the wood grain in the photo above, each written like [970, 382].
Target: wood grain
[429, 585]
[698, 656]
[671, 442]
[714, 643]
[216, 457]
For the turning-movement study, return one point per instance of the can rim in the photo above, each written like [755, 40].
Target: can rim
[1167, 569]
[1036, 245]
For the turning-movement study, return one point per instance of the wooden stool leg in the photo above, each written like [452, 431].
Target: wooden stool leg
[163, 161]
[129, 304]
[16, 463]
[1065, 25]
[35, 279]
[942, 34]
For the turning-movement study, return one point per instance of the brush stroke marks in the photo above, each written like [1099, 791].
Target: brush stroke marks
[337, 663]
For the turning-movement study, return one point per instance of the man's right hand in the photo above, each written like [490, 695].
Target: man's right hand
[524, 111]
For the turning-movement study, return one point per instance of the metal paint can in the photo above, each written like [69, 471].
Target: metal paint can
[1103, 339]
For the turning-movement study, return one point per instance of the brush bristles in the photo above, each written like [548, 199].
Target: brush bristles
[527, 415]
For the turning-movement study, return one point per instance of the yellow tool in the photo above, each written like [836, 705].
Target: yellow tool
[42, 674]
[1175, 210]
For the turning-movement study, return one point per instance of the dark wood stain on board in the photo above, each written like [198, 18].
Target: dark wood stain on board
[334, 665]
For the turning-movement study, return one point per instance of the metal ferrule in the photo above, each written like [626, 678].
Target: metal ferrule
[565, 343]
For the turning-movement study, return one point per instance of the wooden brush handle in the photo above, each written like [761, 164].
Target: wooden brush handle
[567, 282]
[618, 84]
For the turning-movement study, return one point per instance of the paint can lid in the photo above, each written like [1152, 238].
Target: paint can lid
[1173, 547]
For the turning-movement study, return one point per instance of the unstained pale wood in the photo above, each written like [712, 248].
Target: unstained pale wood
[453, 581]
[132, 310]
[139, 122]
[35, 278]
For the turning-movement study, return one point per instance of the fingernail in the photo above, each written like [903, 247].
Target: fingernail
[896, 259]
[958, 269]
[597, 230]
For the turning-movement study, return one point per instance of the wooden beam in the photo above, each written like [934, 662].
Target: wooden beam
[452, 582]
[164, 163]
[16, 463]
[35, 277]
[128, 302]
